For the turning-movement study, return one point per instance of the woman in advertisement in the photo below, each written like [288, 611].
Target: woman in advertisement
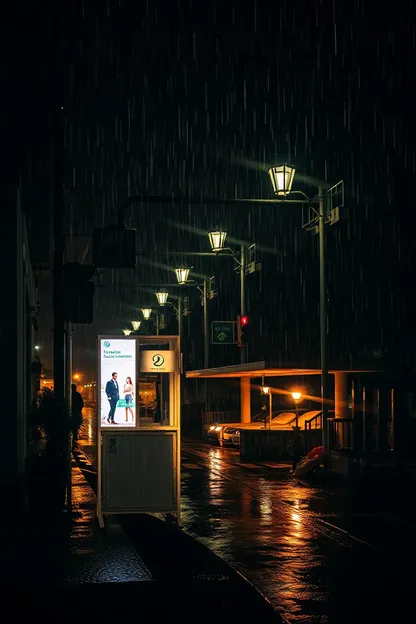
[128, 397]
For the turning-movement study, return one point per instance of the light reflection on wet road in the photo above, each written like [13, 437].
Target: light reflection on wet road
[317, 556]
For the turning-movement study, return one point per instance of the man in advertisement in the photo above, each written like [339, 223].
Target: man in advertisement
[113, 396]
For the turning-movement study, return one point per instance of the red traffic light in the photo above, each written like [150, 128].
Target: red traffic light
[244, 320]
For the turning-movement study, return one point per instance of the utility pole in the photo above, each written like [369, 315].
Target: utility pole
[58, 263]
[68, 392]
[180, 321]
[323, 314]
[60, 345]
[206, 332]
[243, 350]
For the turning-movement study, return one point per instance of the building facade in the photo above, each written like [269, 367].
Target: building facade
[19, 312]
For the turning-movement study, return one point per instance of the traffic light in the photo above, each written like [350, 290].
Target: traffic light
[243, 327]
[78, 292]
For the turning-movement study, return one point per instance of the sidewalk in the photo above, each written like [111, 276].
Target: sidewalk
[66, 572]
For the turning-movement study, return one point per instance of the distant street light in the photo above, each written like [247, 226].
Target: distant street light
[296, 396]
[162, 297]
[37, 347]
[182, 275]
[127, 332]
[281, 177]
[136, 325]
[146, 313]
[217, 239]
[267, 391]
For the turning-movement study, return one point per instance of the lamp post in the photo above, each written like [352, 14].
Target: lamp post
[162, 299]
[182, 275]
[217, 241]
[282, 177]
[267, 391]
[296, 396]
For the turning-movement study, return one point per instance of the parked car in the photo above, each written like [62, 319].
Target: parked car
[228, 434]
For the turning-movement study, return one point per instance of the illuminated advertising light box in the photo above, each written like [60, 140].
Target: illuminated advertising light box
[118, 382]
[158, 361]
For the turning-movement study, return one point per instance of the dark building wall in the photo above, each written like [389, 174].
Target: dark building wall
[18, 303]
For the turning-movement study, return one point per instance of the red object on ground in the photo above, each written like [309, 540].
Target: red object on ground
[317, 452]
[310, 461]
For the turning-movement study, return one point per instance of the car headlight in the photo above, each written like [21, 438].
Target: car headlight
[212, 428]
[218, 428]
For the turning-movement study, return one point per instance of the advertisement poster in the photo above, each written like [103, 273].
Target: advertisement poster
[157, 361]
[118, 382]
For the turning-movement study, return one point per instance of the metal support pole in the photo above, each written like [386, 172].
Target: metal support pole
[243, 350]
[206, 340]
[58, 263]
[296, 441]
[68, 388]
[206, 332]
[180, 321]
[270, 409]
[323, 316]
[157, 324]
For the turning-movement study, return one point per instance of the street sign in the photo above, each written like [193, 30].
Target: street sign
[223, 332]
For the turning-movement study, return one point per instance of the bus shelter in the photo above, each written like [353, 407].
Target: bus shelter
[138, 428]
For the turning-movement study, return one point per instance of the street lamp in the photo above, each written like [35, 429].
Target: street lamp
[127, 332]
[246, 264]
[281, 177]
[136, 325]
[296, 396]
[182, 275]
[162, 297]
[146, 313]
[267, 391]
[217, 240]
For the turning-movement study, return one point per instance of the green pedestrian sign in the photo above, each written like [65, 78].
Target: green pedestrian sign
[223, 332]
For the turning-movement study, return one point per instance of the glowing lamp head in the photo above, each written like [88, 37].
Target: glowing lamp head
[182, 275]
[136, 325]
[127, 332]
[162, 297]
[281, 177]
[217, 239]
[296, 396]
[265, 389]
[146, 313]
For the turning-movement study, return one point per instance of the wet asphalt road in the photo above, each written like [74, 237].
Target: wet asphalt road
[335, 554]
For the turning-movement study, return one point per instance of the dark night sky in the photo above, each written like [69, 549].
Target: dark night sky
[200, 97]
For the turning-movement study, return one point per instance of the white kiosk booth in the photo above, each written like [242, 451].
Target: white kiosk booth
[138, 429]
